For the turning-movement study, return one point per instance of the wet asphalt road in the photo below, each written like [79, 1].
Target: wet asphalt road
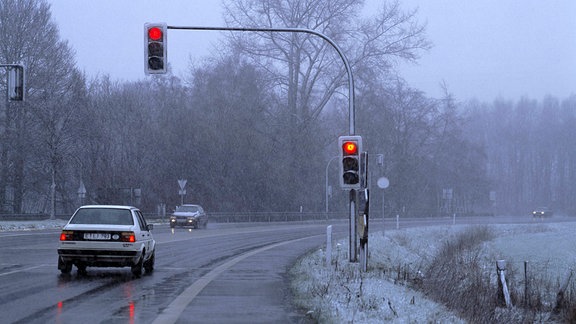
[224, 274]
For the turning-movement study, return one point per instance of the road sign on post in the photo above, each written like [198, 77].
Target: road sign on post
[182, 191]
[363, 218]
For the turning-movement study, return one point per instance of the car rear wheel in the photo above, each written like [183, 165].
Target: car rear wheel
[138, 268]
[149, 265]
[64, 267]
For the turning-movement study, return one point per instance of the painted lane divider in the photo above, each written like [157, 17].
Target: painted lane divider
[171, 313]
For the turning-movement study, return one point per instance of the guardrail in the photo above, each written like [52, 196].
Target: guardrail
[221, 217]
[270, 217]
[262, 217]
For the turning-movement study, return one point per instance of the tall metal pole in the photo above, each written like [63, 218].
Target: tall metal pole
[351, 108]
[352, 229]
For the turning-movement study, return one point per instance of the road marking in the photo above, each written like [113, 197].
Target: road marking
[22, 270]
[178, 305]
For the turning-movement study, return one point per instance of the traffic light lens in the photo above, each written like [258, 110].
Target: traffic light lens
[350, 164]
[351, 178]
[155, 63]
[350, 148]
[155, 49]
[155, 33]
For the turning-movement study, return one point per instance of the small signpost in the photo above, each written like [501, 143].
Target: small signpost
[81, 192]
[182, 191]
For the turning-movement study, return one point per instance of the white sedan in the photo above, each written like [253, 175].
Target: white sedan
[107, 236]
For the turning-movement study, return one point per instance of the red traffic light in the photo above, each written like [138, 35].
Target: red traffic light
[155, 48]
[350, 148]
[155, 33]
[350, 169]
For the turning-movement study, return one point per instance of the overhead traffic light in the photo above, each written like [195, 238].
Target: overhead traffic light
[350, 149]
[155, 46]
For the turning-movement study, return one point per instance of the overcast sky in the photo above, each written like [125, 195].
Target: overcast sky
[482, 49]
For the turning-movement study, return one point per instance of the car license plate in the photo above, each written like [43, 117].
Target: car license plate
[96, 236]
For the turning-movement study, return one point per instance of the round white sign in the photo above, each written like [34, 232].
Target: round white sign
[383, 183]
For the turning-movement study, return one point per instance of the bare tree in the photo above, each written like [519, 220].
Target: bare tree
[303, 67]
[305, 72]
[30, 37]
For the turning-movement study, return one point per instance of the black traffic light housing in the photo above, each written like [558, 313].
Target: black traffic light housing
[155, 48]
[350, 150]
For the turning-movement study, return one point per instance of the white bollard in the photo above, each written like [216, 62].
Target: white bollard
[329, 245]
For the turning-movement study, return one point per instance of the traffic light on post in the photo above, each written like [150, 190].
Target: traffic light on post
[350, 149]
[155, 46]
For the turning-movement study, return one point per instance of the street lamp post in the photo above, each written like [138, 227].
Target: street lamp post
[351, 108]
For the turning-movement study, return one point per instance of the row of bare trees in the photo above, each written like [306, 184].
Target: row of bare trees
[252, 129]
[530, 148]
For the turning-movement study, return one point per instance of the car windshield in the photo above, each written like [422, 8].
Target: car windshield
[103, 216]
[187, 209]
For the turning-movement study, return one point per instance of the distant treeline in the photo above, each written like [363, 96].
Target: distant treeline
[256, 130]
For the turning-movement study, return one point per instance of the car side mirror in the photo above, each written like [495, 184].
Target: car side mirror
[150, 227]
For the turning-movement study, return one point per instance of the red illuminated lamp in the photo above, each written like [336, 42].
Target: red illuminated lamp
[350, 148]
[128, 237]
[155, 33]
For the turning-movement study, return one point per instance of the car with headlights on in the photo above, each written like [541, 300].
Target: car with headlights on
[107, 236]
[189, 215]
[542, 212]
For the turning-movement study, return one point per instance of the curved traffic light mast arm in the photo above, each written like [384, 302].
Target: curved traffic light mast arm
[351, 108]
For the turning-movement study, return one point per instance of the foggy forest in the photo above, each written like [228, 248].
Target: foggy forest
[255, 128]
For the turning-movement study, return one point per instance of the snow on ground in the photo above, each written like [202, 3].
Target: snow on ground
[341, 293]
[31, 225]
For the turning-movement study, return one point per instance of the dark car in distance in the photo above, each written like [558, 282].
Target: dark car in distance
[190, 216]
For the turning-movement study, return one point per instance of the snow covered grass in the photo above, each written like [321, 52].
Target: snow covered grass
[6, 226]
[393, 288]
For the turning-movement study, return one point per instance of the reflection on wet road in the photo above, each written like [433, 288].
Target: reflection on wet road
[189, 264]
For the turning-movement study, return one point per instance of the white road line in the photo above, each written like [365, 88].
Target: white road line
[22, 270]
[177, 307]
